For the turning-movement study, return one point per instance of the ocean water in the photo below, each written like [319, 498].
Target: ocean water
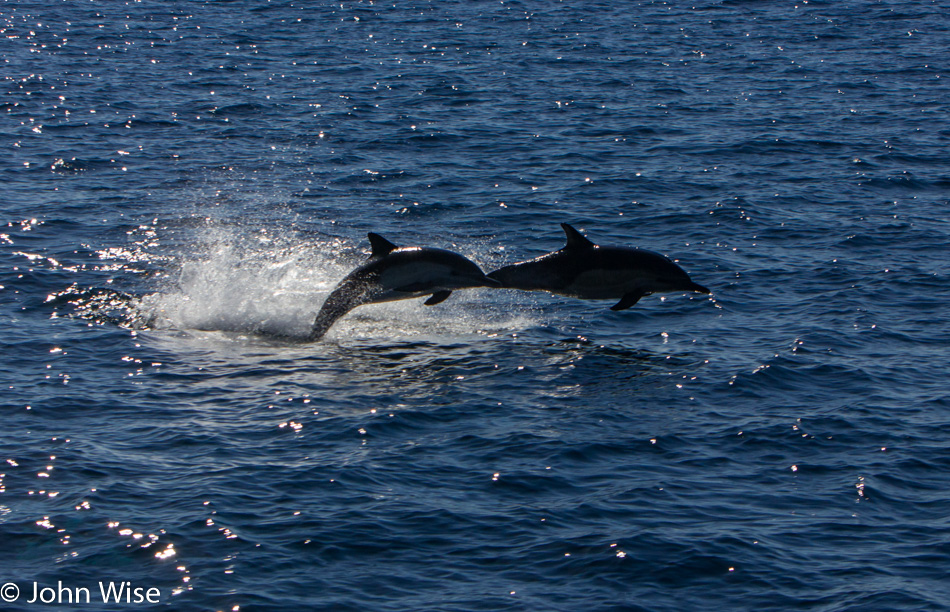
[184, 182]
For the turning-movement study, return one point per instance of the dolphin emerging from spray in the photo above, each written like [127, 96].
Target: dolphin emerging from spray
[588, 271]
[399, 273]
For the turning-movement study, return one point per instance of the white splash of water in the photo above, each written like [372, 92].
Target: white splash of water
[253, 282]
[239, 281]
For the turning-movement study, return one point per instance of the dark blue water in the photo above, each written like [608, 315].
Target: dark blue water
[184, 182]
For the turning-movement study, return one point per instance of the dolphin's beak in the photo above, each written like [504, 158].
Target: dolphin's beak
[696, 287]
[491, 282]
[498, 276]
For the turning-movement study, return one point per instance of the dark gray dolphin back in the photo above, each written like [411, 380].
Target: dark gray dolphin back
[551, 272]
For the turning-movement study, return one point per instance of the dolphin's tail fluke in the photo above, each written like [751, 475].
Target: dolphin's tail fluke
[322, 324]
[340, 301]
[320, 327]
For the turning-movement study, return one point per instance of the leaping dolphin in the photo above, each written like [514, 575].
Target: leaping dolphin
[392, 273]
[585, 270]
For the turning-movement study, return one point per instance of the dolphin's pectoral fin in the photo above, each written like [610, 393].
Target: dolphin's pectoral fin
[628, 300]
[437, 298]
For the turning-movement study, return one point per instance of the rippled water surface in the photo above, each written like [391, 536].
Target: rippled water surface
[184, 182]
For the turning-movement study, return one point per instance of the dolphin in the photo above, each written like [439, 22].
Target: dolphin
[399, 273]
[585, 270]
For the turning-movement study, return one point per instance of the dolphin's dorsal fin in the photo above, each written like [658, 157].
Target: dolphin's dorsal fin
[380, 245]
[575, 240]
